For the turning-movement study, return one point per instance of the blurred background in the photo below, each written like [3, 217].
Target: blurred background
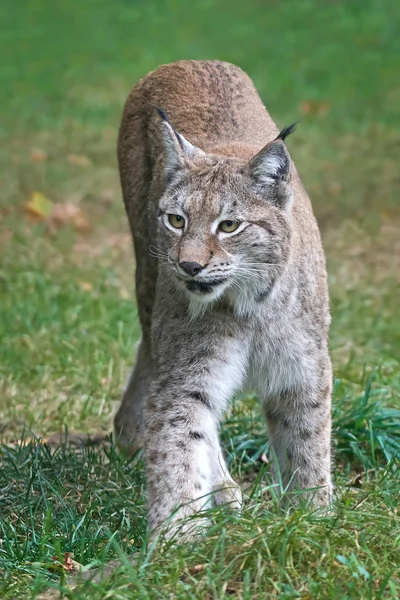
[68, 324]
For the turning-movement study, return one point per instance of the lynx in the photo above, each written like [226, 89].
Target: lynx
[231, 289]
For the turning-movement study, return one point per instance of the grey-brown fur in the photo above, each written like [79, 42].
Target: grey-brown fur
[265, 322]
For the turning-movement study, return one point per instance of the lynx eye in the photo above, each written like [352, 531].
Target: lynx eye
[229, 226]
[176, 221]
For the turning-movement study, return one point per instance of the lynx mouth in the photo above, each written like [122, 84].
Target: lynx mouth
[204, 287]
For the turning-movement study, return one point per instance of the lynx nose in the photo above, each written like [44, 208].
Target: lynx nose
[191, 268]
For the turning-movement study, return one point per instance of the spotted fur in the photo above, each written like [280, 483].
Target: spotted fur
[256, 312]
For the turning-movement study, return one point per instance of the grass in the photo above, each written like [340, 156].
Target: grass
[69, 325]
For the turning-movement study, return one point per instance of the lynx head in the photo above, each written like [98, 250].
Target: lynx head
[224, 223]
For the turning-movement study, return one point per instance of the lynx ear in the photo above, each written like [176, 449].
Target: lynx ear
[272, 164]
[177, 148]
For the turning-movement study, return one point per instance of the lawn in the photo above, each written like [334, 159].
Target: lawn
[69, 324]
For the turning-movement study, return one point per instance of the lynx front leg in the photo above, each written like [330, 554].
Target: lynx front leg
[299, 425]
[178, 457]
[181, 433]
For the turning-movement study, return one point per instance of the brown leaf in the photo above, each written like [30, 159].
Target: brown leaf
[131, 541]
[79, 160]
[86, 285]
[305, 107]
[68, 562]
[38, 155]
[56, 215]
[314, 108]
[69, 565]
[196, 569]
[81, 223]
[69, 214]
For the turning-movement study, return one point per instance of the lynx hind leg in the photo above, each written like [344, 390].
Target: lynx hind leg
[299, 426]
[128, 420]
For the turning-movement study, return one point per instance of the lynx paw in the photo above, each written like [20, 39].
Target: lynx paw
[128, 443]
[228, 493]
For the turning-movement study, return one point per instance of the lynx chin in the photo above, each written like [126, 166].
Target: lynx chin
[231, 289]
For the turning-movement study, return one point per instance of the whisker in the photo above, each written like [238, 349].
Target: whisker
[260, 263]
[254, 269]
[161, 257]
[251, 272]
[158, 252]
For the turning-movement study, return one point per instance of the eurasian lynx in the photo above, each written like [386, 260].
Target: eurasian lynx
[231, 288]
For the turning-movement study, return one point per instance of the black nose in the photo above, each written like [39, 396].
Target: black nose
[191, 268]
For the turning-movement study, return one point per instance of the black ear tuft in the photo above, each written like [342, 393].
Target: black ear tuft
[165, 119]
[162, 114]
[177, 147]
[286, 131]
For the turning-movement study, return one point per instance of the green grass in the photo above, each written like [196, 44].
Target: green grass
[68, 323]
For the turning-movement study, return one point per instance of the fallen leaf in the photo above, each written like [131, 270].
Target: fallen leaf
[79, 160]
[86, 285]
[196, 569]
[39, 206]
[69, 565]
[69, 214]
[68, 562]
[56, 215]
[81, 223]
[131, 541]
[305, 107]
[314, 107]
[38, 155]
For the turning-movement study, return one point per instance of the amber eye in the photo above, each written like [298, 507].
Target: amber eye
[229, 226]
[176, 221]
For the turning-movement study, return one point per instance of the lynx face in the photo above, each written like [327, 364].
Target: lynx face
[223, 224]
